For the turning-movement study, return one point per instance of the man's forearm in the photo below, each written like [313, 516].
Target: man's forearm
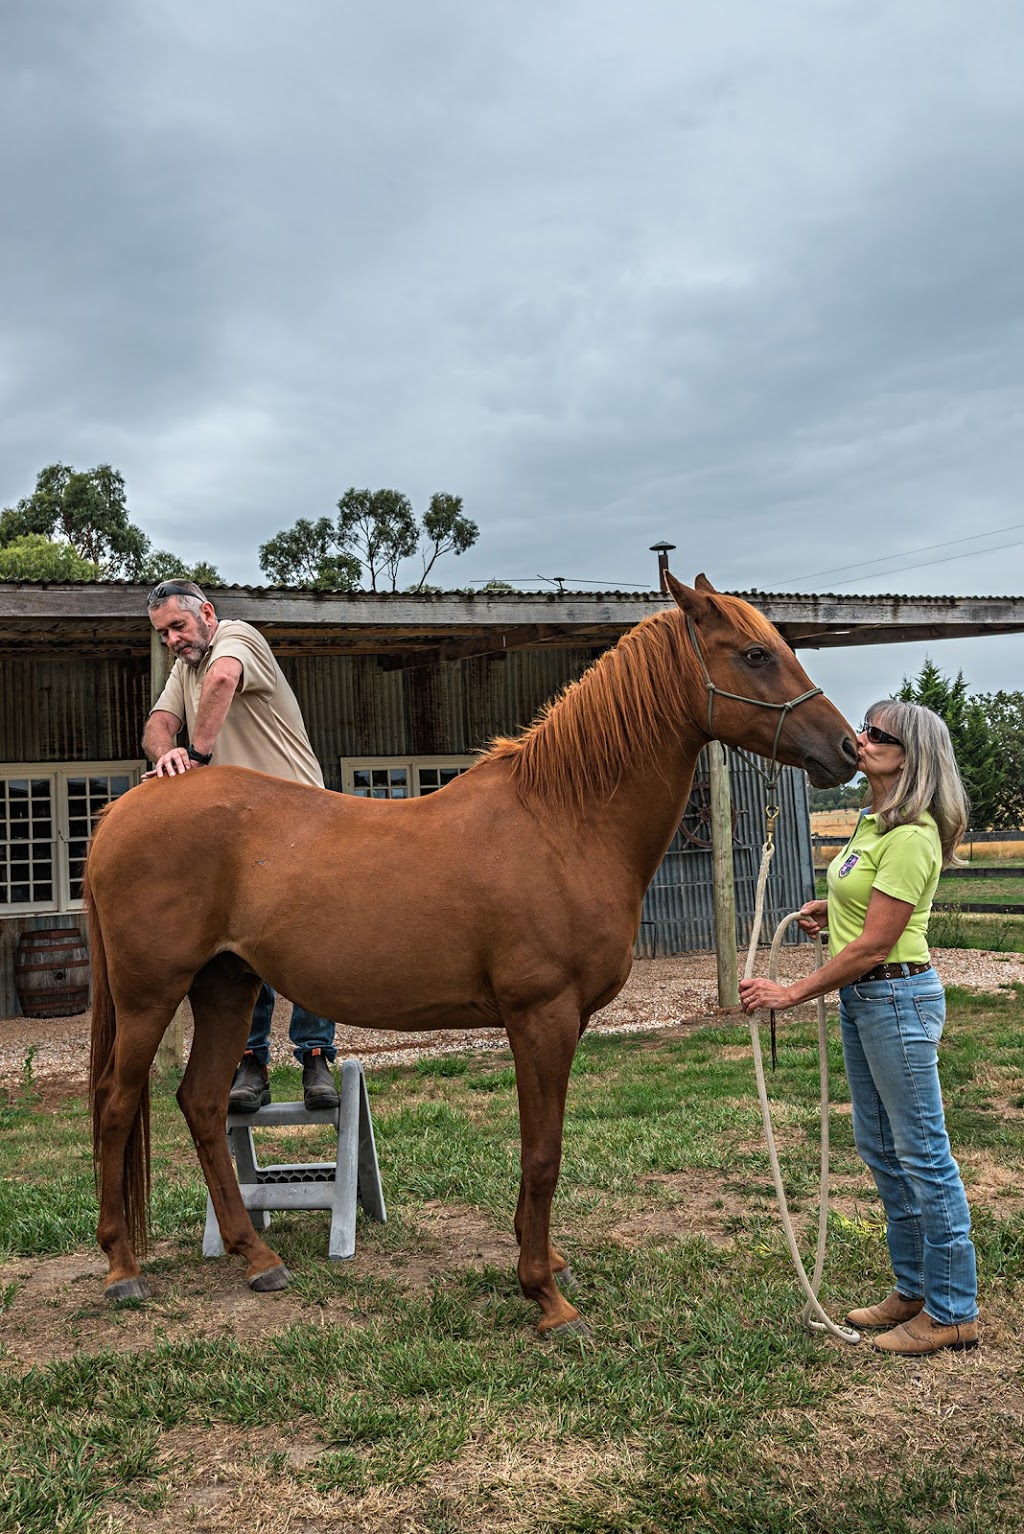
[214, 702]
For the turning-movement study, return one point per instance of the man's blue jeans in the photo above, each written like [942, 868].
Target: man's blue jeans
[306, 1030]
[891, 1031]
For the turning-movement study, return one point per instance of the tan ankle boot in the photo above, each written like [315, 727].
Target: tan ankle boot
[923, 1335]
[888, 1312]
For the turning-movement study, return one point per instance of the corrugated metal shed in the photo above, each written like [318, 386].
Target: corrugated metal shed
[678, 913]
[68, 711]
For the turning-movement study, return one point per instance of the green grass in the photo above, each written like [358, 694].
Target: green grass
[697, 1402]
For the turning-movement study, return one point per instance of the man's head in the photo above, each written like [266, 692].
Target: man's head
[184, 619]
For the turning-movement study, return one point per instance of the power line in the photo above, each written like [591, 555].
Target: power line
[949, 559]
[882, 559]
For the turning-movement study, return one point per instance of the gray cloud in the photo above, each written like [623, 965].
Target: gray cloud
[745, 277]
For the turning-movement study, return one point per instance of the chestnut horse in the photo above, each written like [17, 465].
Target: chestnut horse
[511, 897]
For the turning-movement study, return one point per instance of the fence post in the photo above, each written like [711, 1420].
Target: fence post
[722, 870]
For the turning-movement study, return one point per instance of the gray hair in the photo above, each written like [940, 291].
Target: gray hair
[188, 594]
[930, 778]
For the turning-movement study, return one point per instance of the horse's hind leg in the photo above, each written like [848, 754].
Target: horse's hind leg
[222, 997]
[543, 1044]
[121, 1136]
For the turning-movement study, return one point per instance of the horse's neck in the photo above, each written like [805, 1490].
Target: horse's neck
[641, 816]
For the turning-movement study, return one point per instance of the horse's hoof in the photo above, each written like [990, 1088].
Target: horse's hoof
[126, 1289]
[270, 1279]
[567, 1280]
[577, 1327]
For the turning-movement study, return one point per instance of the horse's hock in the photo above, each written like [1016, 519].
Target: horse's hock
[352, 1179]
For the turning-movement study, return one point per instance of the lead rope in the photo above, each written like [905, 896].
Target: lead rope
[812, 1309]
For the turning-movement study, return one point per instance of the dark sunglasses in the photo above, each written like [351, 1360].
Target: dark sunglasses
[879, 737]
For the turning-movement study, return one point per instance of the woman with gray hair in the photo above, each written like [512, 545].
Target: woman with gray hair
[892, 1008]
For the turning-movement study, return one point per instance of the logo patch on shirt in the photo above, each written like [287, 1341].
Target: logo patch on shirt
[849, 865]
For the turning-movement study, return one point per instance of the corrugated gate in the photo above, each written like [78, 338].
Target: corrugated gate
[678, 911]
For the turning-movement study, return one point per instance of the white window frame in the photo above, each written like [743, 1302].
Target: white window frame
[350, 765]
[58, 774]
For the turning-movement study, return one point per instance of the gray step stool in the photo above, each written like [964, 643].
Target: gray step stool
[354, 1178]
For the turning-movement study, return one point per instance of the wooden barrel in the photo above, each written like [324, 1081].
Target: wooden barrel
[51, 972]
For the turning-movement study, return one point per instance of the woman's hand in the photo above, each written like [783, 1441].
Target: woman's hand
[759, 995]
[814, 917]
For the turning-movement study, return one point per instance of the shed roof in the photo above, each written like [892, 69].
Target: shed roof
[108, 618]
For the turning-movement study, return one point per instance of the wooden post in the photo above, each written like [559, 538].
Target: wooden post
[170, 1053]
[722, 869]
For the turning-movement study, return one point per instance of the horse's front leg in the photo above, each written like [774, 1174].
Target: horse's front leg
[222, 1009]
[543, 1044]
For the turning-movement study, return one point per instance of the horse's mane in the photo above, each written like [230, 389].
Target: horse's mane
[623, 709]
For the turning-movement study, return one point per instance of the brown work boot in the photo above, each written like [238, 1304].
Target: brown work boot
[923, 1335]
[250, 1089]
[318, 1088]
[888, 1312]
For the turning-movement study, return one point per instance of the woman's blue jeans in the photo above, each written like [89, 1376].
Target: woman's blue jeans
[306, 1030]
[891, 1031]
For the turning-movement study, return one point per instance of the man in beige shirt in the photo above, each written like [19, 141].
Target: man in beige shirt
[240, 712]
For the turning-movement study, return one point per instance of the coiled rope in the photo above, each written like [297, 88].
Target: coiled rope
[813, 1316]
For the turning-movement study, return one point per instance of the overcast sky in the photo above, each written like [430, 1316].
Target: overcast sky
[743, 276]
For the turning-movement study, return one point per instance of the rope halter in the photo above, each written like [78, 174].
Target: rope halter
[785, 709]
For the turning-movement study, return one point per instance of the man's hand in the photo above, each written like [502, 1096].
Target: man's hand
[171, 763]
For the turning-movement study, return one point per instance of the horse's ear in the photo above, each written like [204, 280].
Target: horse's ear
[703, 584]
[693, 603]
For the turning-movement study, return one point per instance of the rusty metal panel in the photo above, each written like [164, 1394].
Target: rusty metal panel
[59, 711]
[354, 706]
[678, 912]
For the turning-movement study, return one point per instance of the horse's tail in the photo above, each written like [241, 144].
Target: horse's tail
[104, 1030]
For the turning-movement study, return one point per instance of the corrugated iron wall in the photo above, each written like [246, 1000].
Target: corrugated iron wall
[355, 706]
[678, 913]
[66, 711]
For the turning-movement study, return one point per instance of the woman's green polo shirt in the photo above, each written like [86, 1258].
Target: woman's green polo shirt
[905, 863]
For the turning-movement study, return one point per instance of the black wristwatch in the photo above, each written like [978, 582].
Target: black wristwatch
[204, 758]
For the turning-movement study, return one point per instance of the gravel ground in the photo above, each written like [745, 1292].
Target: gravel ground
[659, 993]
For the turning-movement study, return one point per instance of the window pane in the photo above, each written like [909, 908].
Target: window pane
[428, 777]
[44, 892]
[379, 777]
[119, 785]
[76, 788]
[360, 778]
[399, 793]
[19, 893]
[397, 775]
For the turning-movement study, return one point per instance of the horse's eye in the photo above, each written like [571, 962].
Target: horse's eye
[757, 655]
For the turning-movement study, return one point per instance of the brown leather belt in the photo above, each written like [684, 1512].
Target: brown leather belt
[893, 972]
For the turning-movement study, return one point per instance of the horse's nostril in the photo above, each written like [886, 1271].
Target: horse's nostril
[850, 749]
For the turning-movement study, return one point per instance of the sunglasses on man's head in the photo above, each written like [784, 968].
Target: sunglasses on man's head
[174, 589]
[879, 737]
